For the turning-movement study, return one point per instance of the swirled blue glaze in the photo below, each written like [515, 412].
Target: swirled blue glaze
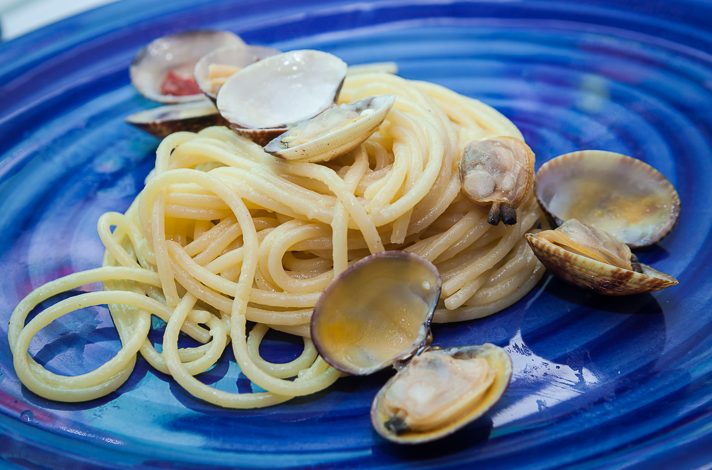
[598, 382]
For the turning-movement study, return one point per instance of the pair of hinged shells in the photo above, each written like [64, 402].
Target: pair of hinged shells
[284, 101]
[604, 203]
[377, 313]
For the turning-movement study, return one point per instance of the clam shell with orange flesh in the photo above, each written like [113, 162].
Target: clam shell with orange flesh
[612, 192]
[377, 312]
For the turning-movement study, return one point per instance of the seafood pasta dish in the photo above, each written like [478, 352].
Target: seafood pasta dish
[350, 207]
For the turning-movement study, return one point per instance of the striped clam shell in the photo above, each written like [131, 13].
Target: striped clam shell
[595, 275]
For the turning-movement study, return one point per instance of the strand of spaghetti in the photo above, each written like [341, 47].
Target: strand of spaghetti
[281, 244]
[67, 283]
[340, 222]
[195, 360]
[279, 370]
[91, 384]
[165, 272]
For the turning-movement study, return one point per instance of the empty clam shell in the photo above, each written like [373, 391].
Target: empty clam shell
[281, 90]
[214, 68]
[439, 392]
[497, 172]
[165, 120]
[593, 259]
[616, 193]
[376, 312]
[333, 132]
[163, 70]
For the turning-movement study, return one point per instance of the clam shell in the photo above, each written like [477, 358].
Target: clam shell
[616, 193]
[238, 56]
[340, 134]
[376, 312]
[600, 277]
[258, 136]
[177, 51]
[497, 358]
[281, 90]
[165, 120]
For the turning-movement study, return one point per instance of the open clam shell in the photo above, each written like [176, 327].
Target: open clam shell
[439, 392]
[165, 120]
[609, 274]
[281, 90]
[616, 193]
[333, 132]
[376, 312]
[163, 70]
[214, 68]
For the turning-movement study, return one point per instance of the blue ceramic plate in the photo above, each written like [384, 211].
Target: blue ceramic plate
[597, 382]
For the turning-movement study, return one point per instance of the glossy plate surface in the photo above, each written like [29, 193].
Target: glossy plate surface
[597, 382]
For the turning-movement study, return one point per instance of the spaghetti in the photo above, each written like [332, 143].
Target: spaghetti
[224, 234]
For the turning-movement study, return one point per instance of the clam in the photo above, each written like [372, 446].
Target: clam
[214, 68]
[376, 312]
[262, 99]
[333, 132]
[163, 70]
[612, 192]
[499, 172]
[164, 120]
[439, 392]
[594, 259]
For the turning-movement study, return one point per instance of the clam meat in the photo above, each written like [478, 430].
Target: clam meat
[497, 172]
[262, 99]
[612, 192]
[440, 391]
[594, 259]
[376, 312]
[333, 132]
[163, 70]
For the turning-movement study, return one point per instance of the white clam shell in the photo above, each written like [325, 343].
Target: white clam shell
[333, 132]
[282, 89]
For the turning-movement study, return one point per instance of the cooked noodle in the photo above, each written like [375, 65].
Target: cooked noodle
[224, 233]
